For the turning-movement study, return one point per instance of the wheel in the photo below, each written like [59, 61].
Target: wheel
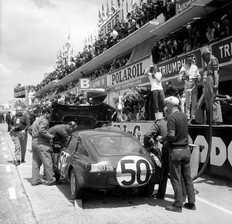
[75, 192]
[57, 176]
[147, 190]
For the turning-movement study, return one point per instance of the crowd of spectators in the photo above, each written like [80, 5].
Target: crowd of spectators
[192, 36]
[195, 34]
[135, 19]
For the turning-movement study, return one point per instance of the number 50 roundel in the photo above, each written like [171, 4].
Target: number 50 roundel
[133, 171]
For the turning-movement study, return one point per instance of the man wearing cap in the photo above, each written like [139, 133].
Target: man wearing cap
[179, 156]
[210, 86]
[41, 148]
[189, 73]
[61, 133]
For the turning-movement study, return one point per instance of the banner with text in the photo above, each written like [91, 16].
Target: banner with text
[172, 67]
[222, 50]
[182, 5]
[129, 76]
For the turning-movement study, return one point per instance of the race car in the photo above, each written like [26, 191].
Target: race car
[106, 159]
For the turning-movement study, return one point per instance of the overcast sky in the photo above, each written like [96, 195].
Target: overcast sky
[33, 31]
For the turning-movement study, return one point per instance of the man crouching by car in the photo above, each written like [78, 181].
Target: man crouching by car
[61, 133]
[41, 148]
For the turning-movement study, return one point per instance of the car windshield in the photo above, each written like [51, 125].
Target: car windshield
[116, 145]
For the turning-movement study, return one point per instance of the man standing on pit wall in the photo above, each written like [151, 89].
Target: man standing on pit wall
[41, 148]
[189, 73]
[179, 156]
[210, 85]
[157, 89]
[19, 125]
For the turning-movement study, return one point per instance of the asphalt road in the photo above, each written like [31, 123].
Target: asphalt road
[22, 203]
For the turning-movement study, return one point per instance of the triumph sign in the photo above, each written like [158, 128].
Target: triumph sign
[172, 67]
[222, 50]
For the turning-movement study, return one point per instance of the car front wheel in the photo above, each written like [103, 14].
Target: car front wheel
[75, 192]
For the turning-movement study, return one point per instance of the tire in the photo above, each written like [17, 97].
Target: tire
[57, 176]
[75, 192]
[147, 190]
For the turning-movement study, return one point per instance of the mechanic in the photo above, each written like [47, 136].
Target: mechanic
[179, 156]
[61, 133]
[151, 138]
[41, 148]
[19, 125]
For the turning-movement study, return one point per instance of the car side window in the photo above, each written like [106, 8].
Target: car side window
[71, 145]
[80, 149]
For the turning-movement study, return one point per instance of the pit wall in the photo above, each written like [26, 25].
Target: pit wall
[220, 164]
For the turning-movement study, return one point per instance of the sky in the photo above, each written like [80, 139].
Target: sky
[33, 31]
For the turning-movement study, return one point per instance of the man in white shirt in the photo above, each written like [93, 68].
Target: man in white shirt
[156, 87]
[189, 73]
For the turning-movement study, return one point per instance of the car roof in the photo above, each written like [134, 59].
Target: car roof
[106, 131]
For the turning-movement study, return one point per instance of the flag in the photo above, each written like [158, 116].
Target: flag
[68, 44]
[58, 56]
[68, 50]
[122, 10]
[108, 14]
[133, 4]
[127, 8]
[91, 39]
[103, 12]
[100, 20]
[119, 3]
[113, 10]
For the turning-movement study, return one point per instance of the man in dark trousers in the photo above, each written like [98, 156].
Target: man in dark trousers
[179, 159]
[61, 133]
[154, 135]
[8, 120]
[41, 148]
[210, 85]
[18, 130]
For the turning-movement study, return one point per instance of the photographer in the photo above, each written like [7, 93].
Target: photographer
[19, 125]
[157, 90]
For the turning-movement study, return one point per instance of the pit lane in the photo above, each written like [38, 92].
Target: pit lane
[52, 204]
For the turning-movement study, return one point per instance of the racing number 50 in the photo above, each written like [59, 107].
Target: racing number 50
[133, 173]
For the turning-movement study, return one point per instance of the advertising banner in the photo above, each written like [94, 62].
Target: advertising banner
[222, 50]
[181, 5]
[99, 82]
[129, 76]
[172, 67]
[109, 24]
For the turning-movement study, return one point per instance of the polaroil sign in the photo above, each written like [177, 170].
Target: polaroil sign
[127, 74]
